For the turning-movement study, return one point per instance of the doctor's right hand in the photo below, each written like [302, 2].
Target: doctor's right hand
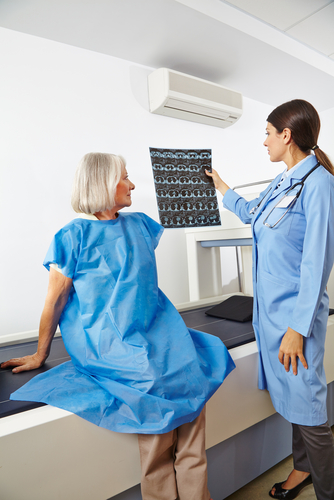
[26, 363]
[218, 182]
[290, 349]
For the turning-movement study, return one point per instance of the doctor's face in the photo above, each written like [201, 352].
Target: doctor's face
[275, 143]
[123, 191]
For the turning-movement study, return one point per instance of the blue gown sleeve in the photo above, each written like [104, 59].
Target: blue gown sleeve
[64, 251]
[154, 229]
[318, 251]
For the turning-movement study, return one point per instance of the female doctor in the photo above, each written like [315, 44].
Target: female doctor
[293, 252]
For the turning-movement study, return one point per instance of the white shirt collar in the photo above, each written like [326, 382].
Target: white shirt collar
[287, 172]
[87, 216]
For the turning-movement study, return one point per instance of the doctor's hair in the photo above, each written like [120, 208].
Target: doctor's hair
[95, 182]
[303, 120]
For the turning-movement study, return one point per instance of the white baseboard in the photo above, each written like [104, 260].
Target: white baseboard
[18, 338]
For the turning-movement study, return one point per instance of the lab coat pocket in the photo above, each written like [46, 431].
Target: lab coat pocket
[277, 298]
[279, 219]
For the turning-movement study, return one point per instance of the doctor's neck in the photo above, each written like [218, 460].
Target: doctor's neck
[294, 155]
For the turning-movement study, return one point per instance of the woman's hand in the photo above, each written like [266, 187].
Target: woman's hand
[218, 182]
[290, 349]
[24, 364]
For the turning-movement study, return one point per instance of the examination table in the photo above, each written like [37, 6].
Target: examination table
[48, 454]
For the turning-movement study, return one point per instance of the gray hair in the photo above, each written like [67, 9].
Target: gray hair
[95, 182]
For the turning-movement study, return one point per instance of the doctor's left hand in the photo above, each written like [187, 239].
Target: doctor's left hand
[290, 349]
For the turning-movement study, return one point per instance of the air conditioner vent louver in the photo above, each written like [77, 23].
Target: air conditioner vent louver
[190, 98]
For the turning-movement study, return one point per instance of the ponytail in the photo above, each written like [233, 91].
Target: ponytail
[324, 160]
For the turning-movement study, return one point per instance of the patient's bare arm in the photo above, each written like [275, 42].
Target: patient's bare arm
[58, 292]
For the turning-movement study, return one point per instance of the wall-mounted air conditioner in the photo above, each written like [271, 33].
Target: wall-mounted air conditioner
[183, 96]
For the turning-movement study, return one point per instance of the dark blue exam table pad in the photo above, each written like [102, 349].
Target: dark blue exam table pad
[10, 382]
[232, 333]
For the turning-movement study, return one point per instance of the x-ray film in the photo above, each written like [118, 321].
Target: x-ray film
[186, 196]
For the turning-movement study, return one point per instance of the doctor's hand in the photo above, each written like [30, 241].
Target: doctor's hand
[290, 349]
[26, 363]
[218, 182]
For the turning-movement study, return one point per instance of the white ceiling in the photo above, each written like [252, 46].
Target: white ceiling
[309, 21]
[270, 50]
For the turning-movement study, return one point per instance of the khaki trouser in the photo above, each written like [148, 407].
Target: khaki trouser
[174, 464]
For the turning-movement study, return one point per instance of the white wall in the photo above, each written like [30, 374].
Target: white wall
[326, 143]
[59, 102]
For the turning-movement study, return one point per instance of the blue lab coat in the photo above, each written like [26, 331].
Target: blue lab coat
[135, 366]
[291, 266]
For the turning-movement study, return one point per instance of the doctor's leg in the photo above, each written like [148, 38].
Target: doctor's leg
[319, 447]
[301, 471]
[300, 460]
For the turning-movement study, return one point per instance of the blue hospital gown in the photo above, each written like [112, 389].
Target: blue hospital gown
[135, 367]
[291, 266]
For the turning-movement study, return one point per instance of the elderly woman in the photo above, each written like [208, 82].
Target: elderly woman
[293, 253]
[135, 367]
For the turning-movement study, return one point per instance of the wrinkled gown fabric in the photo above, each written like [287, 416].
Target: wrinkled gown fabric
[135, 367]
[291, 266]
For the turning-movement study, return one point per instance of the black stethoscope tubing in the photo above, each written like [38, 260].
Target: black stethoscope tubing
[299, 183]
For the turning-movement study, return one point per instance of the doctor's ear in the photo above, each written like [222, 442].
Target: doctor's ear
[286, 134]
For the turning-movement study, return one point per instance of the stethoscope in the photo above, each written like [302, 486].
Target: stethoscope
[299, 183]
